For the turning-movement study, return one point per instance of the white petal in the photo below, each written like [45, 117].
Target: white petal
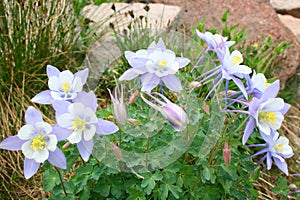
[56, 95]
[27, 151]
[41, 155]
[278, 121]
[43, 128]
[77, 85]
[66, 76]
[259, 81]
[51, 143]
[77, 108]
[90, 116]
[54, 83]
[88, 134]
[65, 120]
[264, 127]
[75, 137]
[273, 104]
[26, 132]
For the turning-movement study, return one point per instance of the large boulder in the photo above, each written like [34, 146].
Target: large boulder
[289, 7]
[257, 16]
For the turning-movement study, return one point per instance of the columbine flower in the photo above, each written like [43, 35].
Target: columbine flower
[267, 113]
[230, 69]
[80, 119]
[257, 84]
[172, 112]
[276, 149]
[214, 42]
[119, 106]
[155, 65]
[37, 143]
[63, 85]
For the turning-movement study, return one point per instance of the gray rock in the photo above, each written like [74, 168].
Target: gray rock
[121, 16]
[290, 7]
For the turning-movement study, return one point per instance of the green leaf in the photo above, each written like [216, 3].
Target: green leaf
[225, 16]
[175, 190]
[51, 179]
[281, 187]
[102, 188]
[84, 170]
[164, 191]
[148, 183]
[85, 193]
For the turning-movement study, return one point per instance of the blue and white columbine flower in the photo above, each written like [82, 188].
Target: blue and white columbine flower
[37, 143]
[63, 85]
[80, 119]
[277, 148]
[155, 65]
[257, 84]
[215, 42]
[266, 113]
[172, 112]
[230, 69]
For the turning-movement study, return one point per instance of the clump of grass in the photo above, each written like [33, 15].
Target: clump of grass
[32, 35]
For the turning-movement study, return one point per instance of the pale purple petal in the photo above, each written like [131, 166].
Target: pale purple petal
[182, 61]
[60, 133]
[285, 108]
[87, 99]
[32, 116]
[271, 91]
[281, 165]
[248, 130]
[269, 161]
[83, 74]
[128, 75]
[57, 158]
[43, 97]
[160, 45]
[172, 82]
[149, 81]
[52, 71]
[105, 127]
[30, 167]
[138, 64]
[85, 149]
[240, 85]
[12, 143]
[129, 54]
[60, 107]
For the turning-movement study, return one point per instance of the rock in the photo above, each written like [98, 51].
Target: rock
[121, 16]
[290, 7]
[257, 16]
[292, 23]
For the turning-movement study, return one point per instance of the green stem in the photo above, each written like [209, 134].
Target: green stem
[61, 181]
[147, 152]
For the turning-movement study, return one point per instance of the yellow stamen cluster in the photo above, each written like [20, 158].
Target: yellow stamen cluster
[279, 148]
[38, 143]
[78, 124]
[162, 64]
[268, 117]
[66, 87]
[236, 60]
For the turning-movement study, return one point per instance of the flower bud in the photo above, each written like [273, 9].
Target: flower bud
[117, 151]
[131, 120]
[119, 106]
[226, 153]
[172, 112]
[133, 97]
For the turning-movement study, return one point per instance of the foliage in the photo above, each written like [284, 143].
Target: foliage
[191, 170]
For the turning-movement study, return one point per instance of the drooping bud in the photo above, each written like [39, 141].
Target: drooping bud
[131, 120]
[172, 112]
[226, 153]
[133, 97]
[117, 151]
[119, 106]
